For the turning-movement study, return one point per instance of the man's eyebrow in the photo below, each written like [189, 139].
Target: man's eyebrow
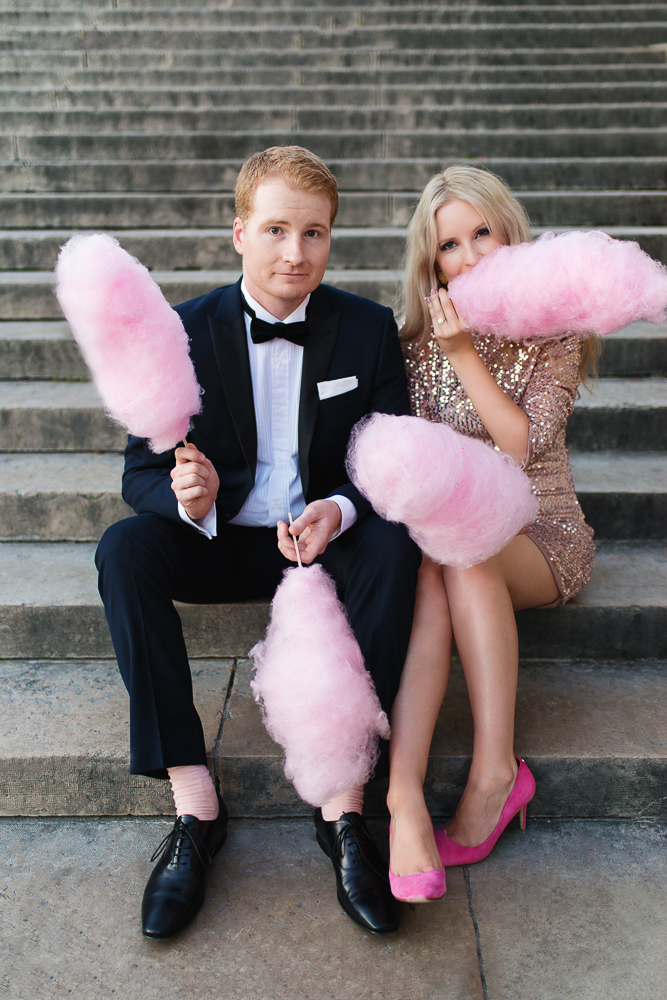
[286, 222]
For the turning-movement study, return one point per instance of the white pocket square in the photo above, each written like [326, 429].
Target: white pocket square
[337, 386]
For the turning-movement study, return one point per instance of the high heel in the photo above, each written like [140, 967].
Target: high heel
[423, 887]
[522, 792]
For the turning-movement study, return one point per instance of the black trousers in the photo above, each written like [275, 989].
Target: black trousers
[147, 562]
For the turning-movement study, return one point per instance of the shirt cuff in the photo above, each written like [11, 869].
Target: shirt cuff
[348, 514]
[207, 525]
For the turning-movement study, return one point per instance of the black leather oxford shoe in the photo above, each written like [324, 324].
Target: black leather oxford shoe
[175, 890]
[362, 874]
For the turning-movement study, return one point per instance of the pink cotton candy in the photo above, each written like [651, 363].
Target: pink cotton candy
[318, 699]
[131, 339]
[461, 501]
[579, 282]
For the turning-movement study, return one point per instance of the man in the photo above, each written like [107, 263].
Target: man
[288, 366]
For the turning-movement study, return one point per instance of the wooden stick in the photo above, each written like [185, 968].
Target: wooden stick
[296, 544]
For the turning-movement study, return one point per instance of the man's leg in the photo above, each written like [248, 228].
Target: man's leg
[145, 563]
[375, 565]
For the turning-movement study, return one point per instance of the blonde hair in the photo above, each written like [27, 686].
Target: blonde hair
[505, 217]
[295, 165]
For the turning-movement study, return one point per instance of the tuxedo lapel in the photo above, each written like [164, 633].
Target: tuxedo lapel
[322, 332]
[230, 346]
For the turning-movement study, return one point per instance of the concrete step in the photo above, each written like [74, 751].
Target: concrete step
[593, 733]
[50, 608]
[599, 757]
[491, 117]
[622, 494]
[30, 349]
[259, 5]
[29, 295]
[77, 760]
[640, 349]
[462, 143]
[70, 497]
[627, 414]
[193, 218]
[74, 497]
[34, 349]
[365, 57]
[335, 17]
[121, 95]
[55, 416]
[587, 174]
[305, 77]
[289, 34]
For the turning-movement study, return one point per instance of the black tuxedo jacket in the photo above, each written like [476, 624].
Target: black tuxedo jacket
[348, 335]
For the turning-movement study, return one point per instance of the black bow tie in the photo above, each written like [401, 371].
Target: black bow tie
[261, 331]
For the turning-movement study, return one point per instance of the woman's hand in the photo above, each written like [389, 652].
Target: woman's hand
[503, 418]
[449, 329]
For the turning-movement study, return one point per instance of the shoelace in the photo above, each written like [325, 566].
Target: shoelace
[179, 833]
[338, 850]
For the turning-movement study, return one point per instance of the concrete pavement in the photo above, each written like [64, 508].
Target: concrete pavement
[570, 909]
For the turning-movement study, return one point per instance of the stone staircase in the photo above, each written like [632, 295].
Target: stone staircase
[134, 117]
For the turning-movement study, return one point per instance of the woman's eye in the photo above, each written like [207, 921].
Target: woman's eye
[448, 246]
[483, 232]
[274, 230]
[312, 232]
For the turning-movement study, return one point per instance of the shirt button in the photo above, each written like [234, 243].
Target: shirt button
[280, 364]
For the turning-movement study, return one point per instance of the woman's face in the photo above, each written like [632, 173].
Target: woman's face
[463, 237]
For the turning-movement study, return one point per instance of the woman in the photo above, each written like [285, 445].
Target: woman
[517, 397]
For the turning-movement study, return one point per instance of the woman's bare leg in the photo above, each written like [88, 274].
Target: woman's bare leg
[413, 718]
[482, 602]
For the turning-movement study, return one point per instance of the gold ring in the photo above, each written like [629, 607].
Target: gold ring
[440, 321]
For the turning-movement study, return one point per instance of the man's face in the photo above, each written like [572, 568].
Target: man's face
[284, 243]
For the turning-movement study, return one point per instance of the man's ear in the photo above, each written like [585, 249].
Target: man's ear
[237, 235]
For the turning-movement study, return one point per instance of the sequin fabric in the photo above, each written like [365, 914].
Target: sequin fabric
[542, 379]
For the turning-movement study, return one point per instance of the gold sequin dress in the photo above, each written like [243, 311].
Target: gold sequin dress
[542, 379]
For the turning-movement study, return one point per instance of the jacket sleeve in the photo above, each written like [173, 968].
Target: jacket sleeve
[147, 480]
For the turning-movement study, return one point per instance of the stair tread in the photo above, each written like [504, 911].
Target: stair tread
[68, 720]
[627, 573]
[619, 472]
[85, 473]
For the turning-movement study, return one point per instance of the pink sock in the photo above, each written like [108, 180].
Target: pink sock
[350, 801]
[194, 791]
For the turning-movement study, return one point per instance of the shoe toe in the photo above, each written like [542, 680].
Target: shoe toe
[376, 911]
[165, 913]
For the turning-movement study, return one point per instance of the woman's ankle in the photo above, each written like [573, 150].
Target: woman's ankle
[406, 801]
[489, 781]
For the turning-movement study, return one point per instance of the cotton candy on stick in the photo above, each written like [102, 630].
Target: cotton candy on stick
[578, 282]
[319, 702]
[461, 501]
[130, 337]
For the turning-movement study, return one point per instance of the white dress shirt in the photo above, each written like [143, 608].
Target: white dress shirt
[275, 370]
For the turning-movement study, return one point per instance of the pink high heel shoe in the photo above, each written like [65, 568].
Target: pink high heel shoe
[423, 887]
[521, 794]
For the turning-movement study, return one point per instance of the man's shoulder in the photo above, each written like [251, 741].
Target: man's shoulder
[200, 308]
[353, 305]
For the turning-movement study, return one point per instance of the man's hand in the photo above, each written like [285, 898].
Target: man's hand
[194, 481]
[316, 526]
